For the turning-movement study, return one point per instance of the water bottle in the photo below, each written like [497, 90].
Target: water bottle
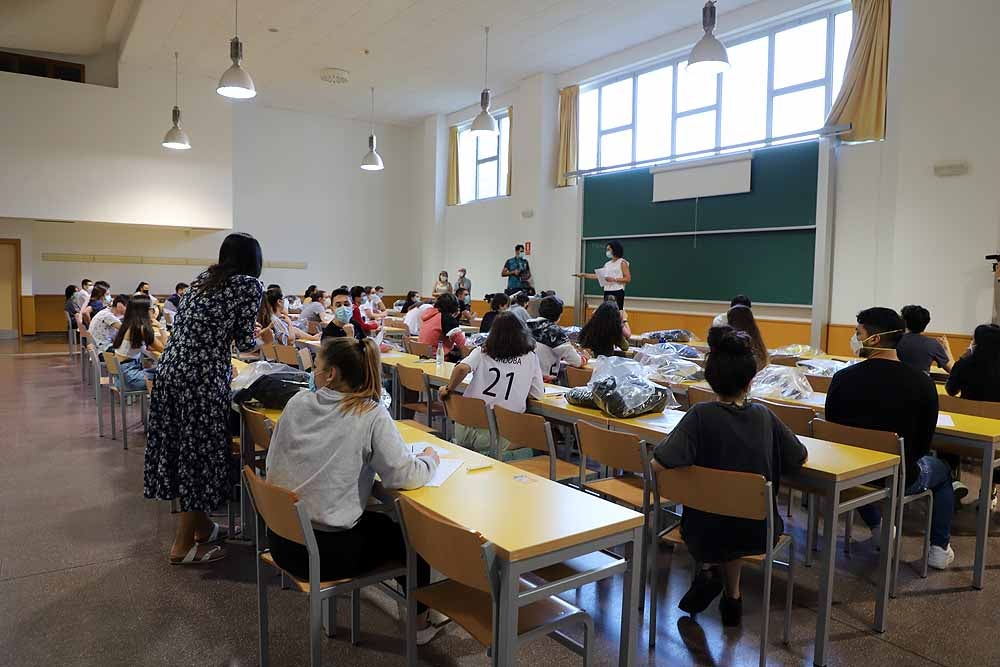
[440, 353]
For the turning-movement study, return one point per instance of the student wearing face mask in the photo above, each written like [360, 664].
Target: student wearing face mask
[464, 301]
[358, 300]
[343, 322]
[442, 286]
[327, 448]
[614, 276]
[463, 281]
[517, 271]
[377, 304]
[884, 394]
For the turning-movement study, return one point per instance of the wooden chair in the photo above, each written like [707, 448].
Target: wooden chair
[533, 431]
[287, 354]
[305, 359]
[785, 361]
[797, 418]
[470, 594]
[472, 413]
[284, 514]
[415, 380]
[696, 395]
[267, 335]
[578, 377]
[422, 350]
[116, 386]
[965, 406]
[819, 383]
[258, 434]
[72, 338]
[267, 351]
[100, 381]
[881, 441]
[739, 495]
[626, 478]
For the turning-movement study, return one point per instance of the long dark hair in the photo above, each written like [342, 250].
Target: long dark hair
[986, 351]
[70, 291]
[509, 338]
[410, 301]
[136, 323]
[604, 330]
[730, 365]
[741, 318]
[239, 255]
[97, 294]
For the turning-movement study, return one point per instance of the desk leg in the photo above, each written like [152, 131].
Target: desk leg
[248, 520]
[631, 581]
[397, 408]
[886, 557]
[830, 504]
[505, 635]
[983, 518]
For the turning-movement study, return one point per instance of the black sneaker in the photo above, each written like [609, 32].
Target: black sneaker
[706, 587]
[731, 610]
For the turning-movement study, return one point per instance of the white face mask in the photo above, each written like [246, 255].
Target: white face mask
[856, 345]
[609, 254]
[326, 302]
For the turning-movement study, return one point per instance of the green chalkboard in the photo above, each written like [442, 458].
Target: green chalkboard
[774, 266]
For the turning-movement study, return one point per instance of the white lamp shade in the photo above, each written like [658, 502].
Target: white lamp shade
[372, 161]
[708, 56]
[236, 83]
[177, 139]
[484, 123]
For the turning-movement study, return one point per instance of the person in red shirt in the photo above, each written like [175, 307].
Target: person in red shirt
[357, 295]
[440, 325]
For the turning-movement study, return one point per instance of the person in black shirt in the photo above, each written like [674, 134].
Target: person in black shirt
[175, 298]
[498, 304]
[976, 376]
[344, 322]
[883, 394]
[918, 350]
[729, 434]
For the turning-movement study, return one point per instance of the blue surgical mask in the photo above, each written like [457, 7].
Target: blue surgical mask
[343, 314]
[520, 255]
[467, 299]
[609, 254]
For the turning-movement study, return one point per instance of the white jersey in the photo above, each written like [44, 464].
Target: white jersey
[507, 383]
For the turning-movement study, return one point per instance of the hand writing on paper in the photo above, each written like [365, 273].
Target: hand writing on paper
[431, 454]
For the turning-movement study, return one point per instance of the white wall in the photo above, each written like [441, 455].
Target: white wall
[82, 152]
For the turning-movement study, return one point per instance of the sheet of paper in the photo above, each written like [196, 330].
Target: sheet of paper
[945, 420]
[816, 399]
[419, 447]
[444, 470]
[555, 391]
[601, 275]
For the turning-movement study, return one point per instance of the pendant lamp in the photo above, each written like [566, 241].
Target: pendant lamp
[709, 55]
[176, 138]
[235, 82]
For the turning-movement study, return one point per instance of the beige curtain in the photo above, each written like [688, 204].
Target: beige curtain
[453, 167]
[510, 145]
[862, 98]
[569, 135]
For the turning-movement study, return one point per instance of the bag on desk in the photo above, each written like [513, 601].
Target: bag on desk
[275, 389]
[581, 397]
[622, 389]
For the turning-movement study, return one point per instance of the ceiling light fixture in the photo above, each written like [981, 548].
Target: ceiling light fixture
[176, 138]
[709, 55]
[372, 161]
[485, 123]
[235, 82]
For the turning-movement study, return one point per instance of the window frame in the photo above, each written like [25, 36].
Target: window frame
[829, 14]
[477, 161]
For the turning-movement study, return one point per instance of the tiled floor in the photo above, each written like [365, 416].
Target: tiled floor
[84, 578]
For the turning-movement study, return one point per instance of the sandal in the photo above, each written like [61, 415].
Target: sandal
[193, 558]
[217, 535]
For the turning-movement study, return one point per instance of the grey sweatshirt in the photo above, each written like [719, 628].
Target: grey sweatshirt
[330, 458]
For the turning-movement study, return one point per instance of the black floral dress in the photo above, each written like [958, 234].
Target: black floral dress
[187, 449]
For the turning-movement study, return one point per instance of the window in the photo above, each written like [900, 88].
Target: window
[782, 82]
[483, 162]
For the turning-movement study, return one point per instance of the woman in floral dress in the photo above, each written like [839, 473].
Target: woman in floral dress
[188, 446]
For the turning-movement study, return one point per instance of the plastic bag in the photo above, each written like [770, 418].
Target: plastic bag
[621, 388]
[573, 333]
[580, 396]
[824, 367]
[476, 339]
[781, 382]
[670, 335]
[656, 353]
[259, 369]
[274, 390]
[796, 350]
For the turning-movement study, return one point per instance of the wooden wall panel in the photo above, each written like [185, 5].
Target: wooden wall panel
[28, 326]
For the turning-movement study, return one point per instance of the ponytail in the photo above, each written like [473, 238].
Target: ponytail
[359, 371]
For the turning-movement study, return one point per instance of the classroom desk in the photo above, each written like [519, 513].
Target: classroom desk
[532, 523]
[564, 523]
[977, 437]
[830, 469]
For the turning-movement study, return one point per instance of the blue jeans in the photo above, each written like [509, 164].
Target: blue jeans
[936, 476]
[135, 375]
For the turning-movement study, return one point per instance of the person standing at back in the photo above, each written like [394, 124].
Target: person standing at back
[442, 286]
[517, 271]
[463, 281]
[920, 351]
[188, 446]
[883, 394]
[615, 274]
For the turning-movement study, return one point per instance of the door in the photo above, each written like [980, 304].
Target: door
[10, 288]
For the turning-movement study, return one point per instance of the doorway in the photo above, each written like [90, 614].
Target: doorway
[10, 288]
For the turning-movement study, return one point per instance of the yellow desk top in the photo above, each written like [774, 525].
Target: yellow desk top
[557, 405]
[522, 514]
[239, 365]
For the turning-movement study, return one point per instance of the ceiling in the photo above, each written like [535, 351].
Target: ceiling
[64, 27]
[426, 56]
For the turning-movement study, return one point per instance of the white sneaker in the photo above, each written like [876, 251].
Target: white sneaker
[939, 558]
